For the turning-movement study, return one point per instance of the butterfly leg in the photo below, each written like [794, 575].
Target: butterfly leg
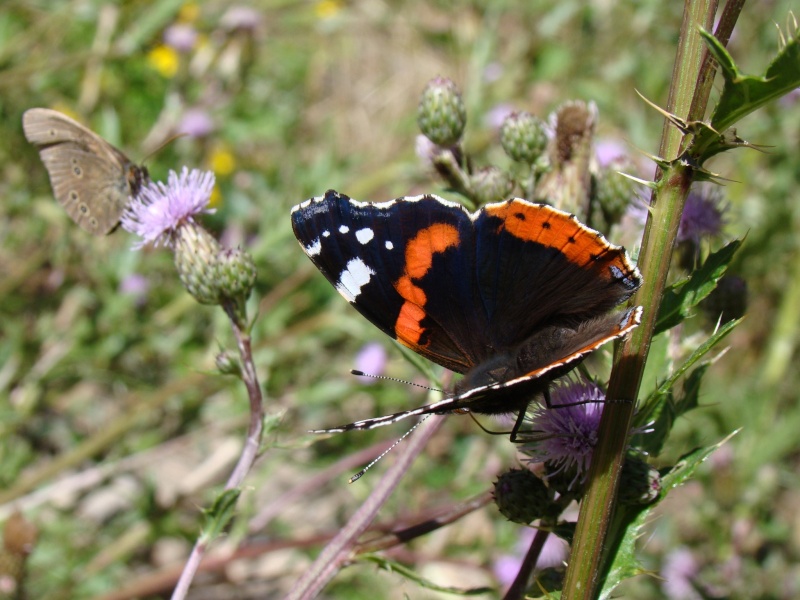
[517, 425]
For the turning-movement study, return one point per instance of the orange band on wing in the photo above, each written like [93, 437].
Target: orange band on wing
[407, 327]
[419, 259]
[550, 228]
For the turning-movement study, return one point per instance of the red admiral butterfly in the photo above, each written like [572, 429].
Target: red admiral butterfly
[513, 295]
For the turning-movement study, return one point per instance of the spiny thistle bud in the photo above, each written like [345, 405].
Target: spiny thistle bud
[237, 272]
[520, 496]
[196, 258]
[639, 482]
[614, 192]
[228, 363]
[564, 481]
[490, 184]
[523, 137]
[728, 300]
[441, 114]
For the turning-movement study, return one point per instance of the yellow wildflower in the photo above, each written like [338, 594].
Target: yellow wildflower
[164, 60]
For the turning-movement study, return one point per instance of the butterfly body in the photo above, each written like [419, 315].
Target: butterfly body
[91, 179]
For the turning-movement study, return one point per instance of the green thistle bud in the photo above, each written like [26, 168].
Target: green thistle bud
[237, 273]
[520, 496]
[614, 192]
[196, 258]
[639, 482]
[441, 114]
[523, 137]
[564, 481]
[228, 363]
[490, 184]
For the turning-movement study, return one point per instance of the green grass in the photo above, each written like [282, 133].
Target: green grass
[114, 427]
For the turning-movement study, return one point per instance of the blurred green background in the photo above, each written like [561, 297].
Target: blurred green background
[115, 428]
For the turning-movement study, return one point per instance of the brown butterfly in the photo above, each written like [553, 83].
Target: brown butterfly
[91, 179]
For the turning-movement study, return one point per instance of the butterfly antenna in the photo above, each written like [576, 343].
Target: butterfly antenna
[419, 385]
[163, 145]
[360, 474]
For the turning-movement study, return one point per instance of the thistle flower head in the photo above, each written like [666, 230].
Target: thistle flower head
[563, 436]
[703, 215]
[165, 214]
[159, 210]
[566, 433]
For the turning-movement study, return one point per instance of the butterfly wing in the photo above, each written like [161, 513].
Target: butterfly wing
[539, 266]
[516, 393]
[90, 178]
[514, 295]
[512, 381]
[405, 265]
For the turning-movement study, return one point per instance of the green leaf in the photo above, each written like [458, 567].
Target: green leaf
[219, 514]
[630, 520]
[683, 296]
[743, 94]
[661, 409]
[396, 567]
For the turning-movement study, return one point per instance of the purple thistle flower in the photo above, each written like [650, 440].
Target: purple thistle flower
[181, 37]
[135, 285]
[554, 552]
[565, 434]
[196, 122]
[241, 17]
[679, 570]
[703, 215]
[426, 151]
[497, 115]
[161, 209]
[371, 359]
[609, 151]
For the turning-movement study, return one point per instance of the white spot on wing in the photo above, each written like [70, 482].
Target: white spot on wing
[326, 233]
[313, 248]
[389, 245]
[364, 235]
[355, 276]
[344, 229]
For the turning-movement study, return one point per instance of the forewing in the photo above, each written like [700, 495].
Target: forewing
[92, 190]
[539, 265]
[406, 265]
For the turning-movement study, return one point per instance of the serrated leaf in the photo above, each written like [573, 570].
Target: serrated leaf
[629, 521]
[392, 566]
[682, 297]
[743, 94]
[691, 390]
[219, 514]
[661, 409]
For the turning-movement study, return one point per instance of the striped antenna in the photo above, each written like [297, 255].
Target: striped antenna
[360, 474]
[358, 373]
